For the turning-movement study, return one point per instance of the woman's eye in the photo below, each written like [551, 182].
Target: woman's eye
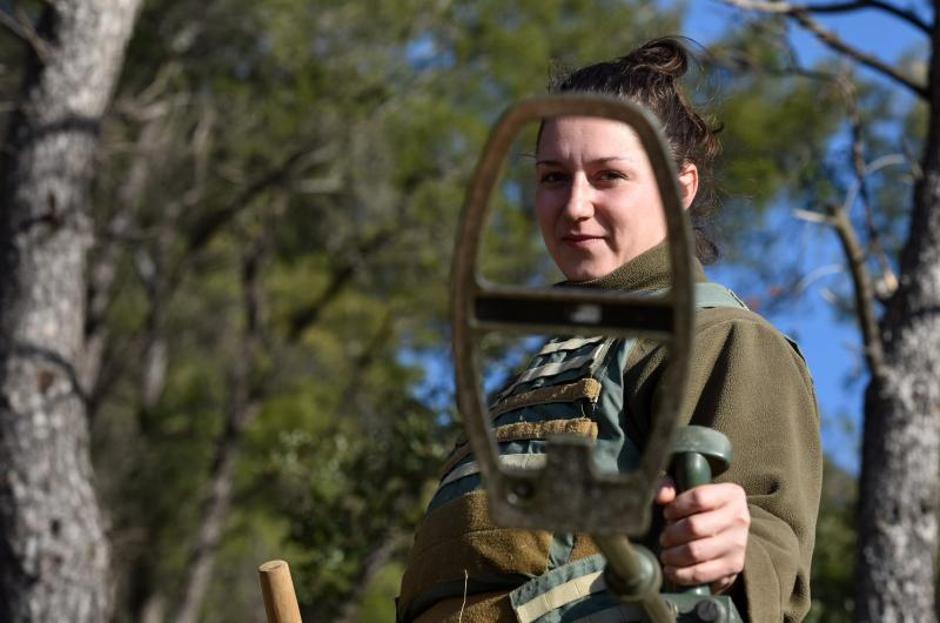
[611, 176]
[552, 177]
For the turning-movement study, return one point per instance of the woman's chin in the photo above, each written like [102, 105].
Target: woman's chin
[586, 273]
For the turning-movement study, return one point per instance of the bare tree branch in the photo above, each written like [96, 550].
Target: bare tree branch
[373, 563]
[339, 278]
[861, 170]
[837, 216]
[210, 223]
[735, 59]
[104, 264]
[801, 15]
[863, 289]
[841, 7]
[810, 216]
[244, 404]
[370, 354]
[20, 25]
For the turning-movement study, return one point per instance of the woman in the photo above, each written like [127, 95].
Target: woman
[750, 533]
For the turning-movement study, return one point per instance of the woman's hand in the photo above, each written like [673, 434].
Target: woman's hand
[705, 536]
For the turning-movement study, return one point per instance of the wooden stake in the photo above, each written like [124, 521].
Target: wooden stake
[277, 588]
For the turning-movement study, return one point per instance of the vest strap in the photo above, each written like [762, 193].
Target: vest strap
[562, 587]
[574, 343]
[588, 361]
[520, 461]
[709, 294]
[561, 595]
[520, 431]
[589, 388]
[554, 369]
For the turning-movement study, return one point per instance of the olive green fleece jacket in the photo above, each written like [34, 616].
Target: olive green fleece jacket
[748, 382]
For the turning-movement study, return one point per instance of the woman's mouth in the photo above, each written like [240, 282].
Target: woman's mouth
[580, 240]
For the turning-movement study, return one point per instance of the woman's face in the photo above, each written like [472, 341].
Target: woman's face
[597, 202]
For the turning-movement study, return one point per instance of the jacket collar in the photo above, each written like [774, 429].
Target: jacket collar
[648, 271]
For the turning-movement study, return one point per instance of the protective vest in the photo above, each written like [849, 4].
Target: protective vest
[571, 386]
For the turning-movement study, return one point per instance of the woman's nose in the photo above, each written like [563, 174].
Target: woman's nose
[580, 204]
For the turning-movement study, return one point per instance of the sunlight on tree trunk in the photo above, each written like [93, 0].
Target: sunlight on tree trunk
[54, 555]
[901, 445]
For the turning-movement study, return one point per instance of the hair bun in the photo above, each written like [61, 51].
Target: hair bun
[666, 56]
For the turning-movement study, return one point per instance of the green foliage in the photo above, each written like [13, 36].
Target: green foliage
[779, 127]
[776, 126]
[377, 605]
[347, 494]
[834, 556]
[330, 141]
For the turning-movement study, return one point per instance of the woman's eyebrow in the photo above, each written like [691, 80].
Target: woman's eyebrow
[594, 161]
[611, 159]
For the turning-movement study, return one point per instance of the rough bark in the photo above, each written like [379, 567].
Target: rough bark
[54, 556]
[899, 490]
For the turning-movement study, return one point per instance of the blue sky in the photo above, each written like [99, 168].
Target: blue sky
[870, 30]
[830, 347]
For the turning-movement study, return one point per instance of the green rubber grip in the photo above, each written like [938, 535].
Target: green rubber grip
[699, 454]
[691, 469]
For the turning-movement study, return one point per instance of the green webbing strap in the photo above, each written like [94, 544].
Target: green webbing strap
[561, 595]
[526, 595]
[716, 295]
[559, 554]
[709, 294]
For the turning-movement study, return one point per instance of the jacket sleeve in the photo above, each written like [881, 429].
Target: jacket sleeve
[749, 382]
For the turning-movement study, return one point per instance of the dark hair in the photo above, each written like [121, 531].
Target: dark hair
[649, 75]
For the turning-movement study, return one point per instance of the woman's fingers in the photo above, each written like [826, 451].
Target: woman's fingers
[703, 498]
[700, 550]
[705, 524]
[720, 586]
[710, 572]
[705, 537]
[665, 491]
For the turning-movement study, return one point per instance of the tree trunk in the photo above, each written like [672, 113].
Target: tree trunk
[899, 489]
[54, 556]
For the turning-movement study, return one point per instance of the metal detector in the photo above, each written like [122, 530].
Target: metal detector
[569, 493]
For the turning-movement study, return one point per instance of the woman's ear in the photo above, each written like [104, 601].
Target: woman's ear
[688, 184]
